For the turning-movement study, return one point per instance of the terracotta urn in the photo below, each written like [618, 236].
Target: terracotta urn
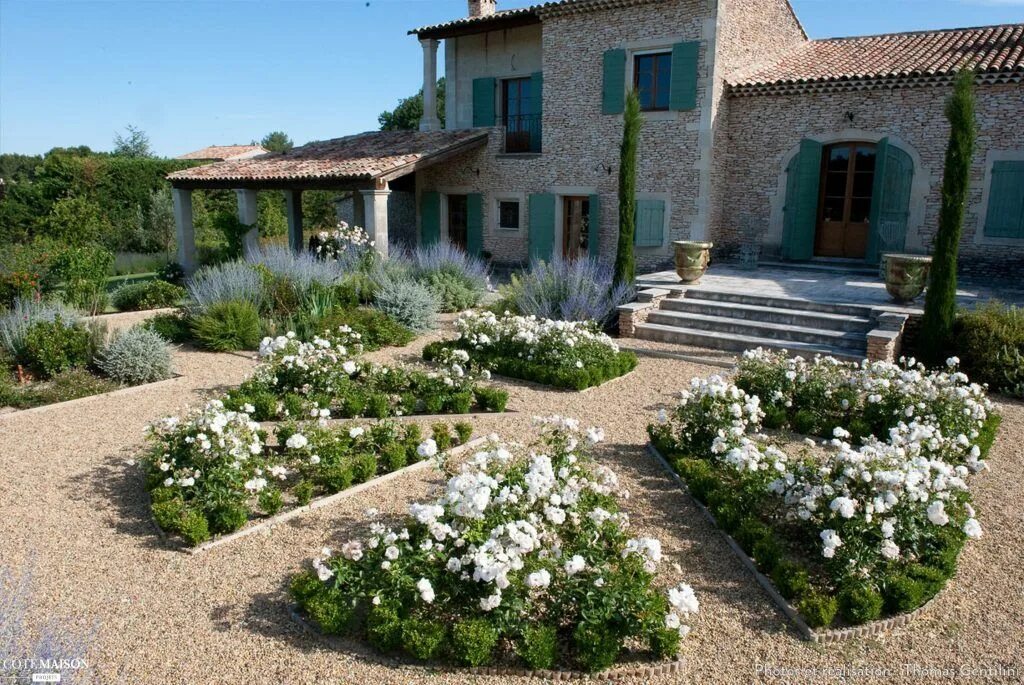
[692, 257]
[906, 275]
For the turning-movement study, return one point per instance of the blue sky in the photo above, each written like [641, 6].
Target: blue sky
[203, 72]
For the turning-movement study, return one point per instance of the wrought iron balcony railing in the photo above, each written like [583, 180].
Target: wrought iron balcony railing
[522, 133]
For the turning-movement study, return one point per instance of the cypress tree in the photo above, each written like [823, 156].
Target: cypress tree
[940, 300]
[625, 262]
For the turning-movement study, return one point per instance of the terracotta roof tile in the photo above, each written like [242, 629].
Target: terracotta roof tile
[987, 49]
[363, 156]
[220, 152]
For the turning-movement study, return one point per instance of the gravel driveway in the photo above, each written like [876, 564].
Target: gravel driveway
[73, 513]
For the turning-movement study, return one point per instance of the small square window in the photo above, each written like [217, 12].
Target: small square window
[508, 215]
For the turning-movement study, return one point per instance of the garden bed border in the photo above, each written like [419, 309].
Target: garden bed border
[870, 629]
[647, 670]
[433, 418]
[317, 503]
[128, 390]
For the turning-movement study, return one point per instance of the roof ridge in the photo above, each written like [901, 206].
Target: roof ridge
[919, 32]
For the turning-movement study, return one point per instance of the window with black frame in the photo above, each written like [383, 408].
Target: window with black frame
[520, 115]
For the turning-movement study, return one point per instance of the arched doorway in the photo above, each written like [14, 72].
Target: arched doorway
[844, 208]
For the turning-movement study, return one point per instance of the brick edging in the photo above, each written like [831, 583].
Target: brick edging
[317, 503]
[870, 629]
[617, 673]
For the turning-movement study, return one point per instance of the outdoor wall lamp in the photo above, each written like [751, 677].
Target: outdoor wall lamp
[604, 167]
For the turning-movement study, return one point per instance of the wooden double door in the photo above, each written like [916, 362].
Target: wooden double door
[844, 209]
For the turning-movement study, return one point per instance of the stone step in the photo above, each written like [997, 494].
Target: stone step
[757, 328]
[823, 265]
[738, 343]
[771, 302]
[803, 318]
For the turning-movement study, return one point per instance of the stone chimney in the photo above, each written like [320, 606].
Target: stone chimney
[482, 8]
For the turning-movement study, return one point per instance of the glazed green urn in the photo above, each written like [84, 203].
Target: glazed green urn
[692, 257]
[906, 275]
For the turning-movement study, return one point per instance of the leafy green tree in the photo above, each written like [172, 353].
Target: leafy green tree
[134, 144]
[406, 116]
[159, 220]
[277, 141]
[270, 213]
[318, 210]
[625, 260]
[76, 221]
[940, 300]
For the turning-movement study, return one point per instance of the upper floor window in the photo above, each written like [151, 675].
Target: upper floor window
[652, 75]
[521, 115]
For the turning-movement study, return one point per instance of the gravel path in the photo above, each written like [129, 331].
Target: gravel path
[72, 511]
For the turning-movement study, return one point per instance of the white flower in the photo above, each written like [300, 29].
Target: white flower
[349, 367]
[595, 435]
[356, 432]
[391, 553]
[169, 482]
[538, 579]
[492, 602]
[323, 572]
[890, 550]
[845, 506]
[255, 484]
[425, 589]
[831, 542]
[315, 459]
[683, 599]
[427, 448]
[352, 550]
[937, 513]
[972, 528]
[575, 565]
[888, 528]
[296, 441]
[279, 472]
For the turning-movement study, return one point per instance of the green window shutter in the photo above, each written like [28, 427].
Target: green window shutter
[890, 200]
[537, 111]
[1004, 217]
[650, 223]
[474, 224]
[682, 93]
[801, 211]
[594, 227]
[483, 102]
[613, 92]
[430, 217]
[542, 226]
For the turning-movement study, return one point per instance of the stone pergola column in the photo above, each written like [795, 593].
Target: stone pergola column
[429, 122]
[184, 229]
[293, 209]
[248, 216]
[375, 202]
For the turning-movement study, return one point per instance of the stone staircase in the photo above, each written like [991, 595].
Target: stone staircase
[734, 322]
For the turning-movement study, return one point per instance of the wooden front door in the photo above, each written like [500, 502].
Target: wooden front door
[847, 179]
[458, 220]
[575, 227]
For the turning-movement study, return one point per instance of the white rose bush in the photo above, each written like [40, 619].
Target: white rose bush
[868, 523]
[564, 354]
[522, 555]
[295, 378]
[213, 471]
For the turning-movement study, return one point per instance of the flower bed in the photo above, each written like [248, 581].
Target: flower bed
[325, 378]
[214, 471]
[564, 354]
[523, 556]
[853, 528]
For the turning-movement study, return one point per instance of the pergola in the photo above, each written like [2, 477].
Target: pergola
[365, 164]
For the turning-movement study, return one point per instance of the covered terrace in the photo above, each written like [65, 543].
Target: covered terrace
[364, 164]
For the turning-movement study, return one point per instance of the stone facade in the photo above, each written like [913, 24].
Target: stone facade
[765, 131]
[719, 167]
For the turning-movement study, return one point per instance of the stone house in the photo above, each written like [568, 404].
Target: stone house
[754, 137]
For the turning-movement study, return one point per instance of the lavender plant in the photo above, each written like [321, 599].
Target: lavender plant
[227, 282]
[23, 314]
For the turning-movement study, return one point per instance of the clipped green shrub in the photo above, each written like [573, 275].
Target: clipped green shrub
[329, 610]
[51, 347]
[193, 527]
[902, 594]
[172, 326]
[384, 627]
[271, 500]
[989, 341]
[664, 642]
[859, 603]
[303, 492]
[818, 609]
[147, 295]
[464, 431]
[791, 580]
[454, 292]
[491, 399]
[137, 355]
[228, 326]
[227, 517]
[408, 302]
[473, 640]
[423, 638]
[597, 645]
[376, 328]
[931, 579]
[538, 646]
